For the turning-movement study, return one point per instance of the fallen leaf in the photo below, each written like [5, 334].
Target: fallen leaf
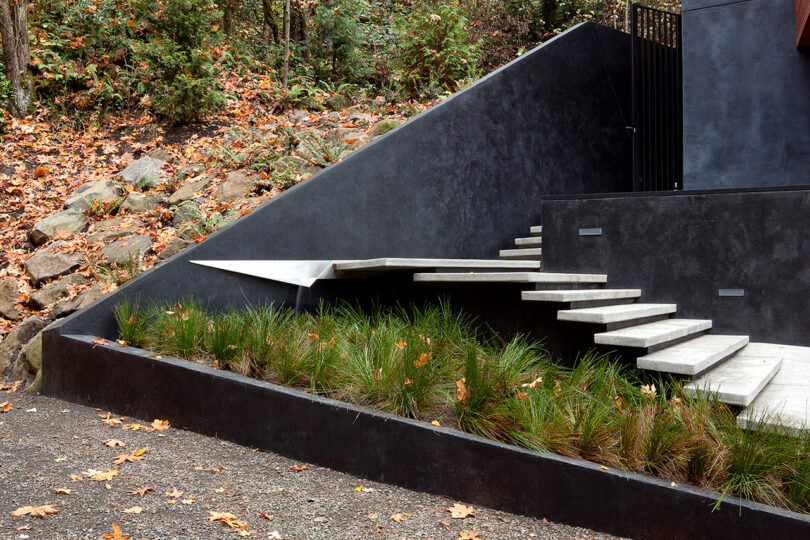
[135, 455]
[60, 459]
[99, 341]
[63, 491]
[459, 511]
[227, 518]
[99, 476]
[436, 423]
[160, 425]
[35, 511]
[5, 406]
[112, 443]
[463, 395]
[75, 477]
[468, 535]
[133, 510]
[174, 493]
[141, 491]
[187, 501]
[219, 490]
[297, 468]
[117, 534]
[399, 518]
[268, 517]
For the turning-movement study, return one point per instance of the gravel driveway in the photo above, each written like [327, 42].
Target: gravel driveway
[50, 450]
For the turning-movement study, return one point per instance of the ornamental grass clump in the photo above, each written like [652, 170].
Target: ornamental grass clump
[434, 364]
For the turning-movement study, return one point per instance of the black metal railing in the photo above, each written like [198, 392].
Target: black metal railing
[657, 100]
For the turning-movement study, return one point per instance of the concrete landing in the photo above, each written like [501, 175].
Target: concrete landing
[693, 356]
[738, 380]
[611, 314]
[649, 335]
[785, 401]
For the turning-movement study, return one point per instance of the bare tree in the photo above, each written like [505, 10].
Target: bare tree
[16, 56]
[270, 24]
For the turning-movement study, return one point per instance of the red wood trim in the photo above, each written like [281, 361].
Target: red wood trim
[803, 23]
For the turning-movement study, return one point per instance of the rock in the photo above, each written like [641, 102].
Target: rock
[189, 171]
[173, 247]
[53, 292]
[384, 126]
[311, 103]
[289, 162]
[350, 136]
[101, 191]
[144, 172]
[68, 220]
[139, 202]
[360, 118]
[235, 185]
[298, 115]
[9, 291]
[49, 262]
[189, 191]
[113, 228]
[17, 338]
[82, 300]
[184, 213]
[337, 102]
[28, 366]
[126, 249]
[161, 154]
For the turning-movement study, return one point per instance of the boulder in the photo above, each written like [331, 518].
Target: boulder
[126, 249]
[337, 102]
[49, 262]
[384, 126]
[173, 247]
[289, 162]
[144, 172]
[360, 118]
[189, 191]
[101, 191]
[161, 154]
[17, 338]
[9, 291]
[311, 103]
[139, 202]
[82, 300]
[28, 366]
[185, 213]
[235, 185]
[68, 220]
[113, 228]
[189, 171]
[53, 292]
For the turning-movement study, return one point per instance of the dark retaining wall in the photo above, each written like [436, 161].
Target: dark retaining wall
[412, 454]
[685, 247]
[746, 94]
[462, 179]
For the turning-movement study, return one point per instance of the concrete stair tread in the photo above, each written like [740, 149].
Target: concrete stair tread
[537, 230]
[522, 253]
[785, 401]
[509, 277]
[738, 380]
[581, 295]
[693, 356]
[618, 313]
[399, 263]
[651, 334]
[529, 242]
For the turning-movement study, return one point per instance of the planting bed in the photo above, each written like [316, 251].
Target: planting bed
[429, 365]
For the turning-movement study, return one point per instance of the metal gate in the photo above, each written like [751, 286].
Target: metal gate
[657, 100]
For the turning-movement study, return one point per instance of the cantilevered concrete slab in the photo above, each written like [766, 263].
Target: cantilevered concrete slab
[581, 295]
[393, 263]
[693, 356]
[738, 380]
[610, 314]
[509, 277]
[649, 335]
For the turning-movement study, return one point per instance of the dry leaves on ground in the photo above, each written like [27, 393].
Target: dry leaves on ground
[35, 511]
[459, 511]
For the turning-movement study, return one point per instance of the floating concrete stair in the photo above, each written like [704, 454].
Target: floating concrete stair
[531, 254]
[580, 295]
[652, 334]
[613, 314]
[537, 230]
[392, 263]
[508, 277]
[738, 380]
[529, 242]
[693, 356]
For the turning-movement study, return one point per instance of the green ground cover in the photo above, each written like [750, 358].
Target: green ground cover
[433, 364]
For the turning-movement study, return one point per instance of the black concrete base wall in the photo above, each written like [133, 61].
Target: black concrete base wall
[746, 95]
[684, 247]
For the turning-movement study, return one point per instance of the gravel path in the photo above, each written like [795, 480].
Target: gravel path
[48, 446]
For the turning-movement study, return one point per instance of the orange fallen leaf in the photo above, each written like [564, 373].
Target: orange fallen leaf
[141, 491]
[468, 535]
[5, 406]
[112, 443]
[459, 511]
[100, 341]
[268, 517]
[39, 172]
[135, 455]
[297, 468]
[117, 534]
[133, 510]
[398, 517]
[463, 395]
[100, 476]
[227, 518]
[63, 491]
[35, 511]
[160, 425]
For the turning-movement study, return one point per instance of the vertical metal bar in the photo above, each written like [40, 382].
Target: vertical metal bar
[679, 99]
[635, 91]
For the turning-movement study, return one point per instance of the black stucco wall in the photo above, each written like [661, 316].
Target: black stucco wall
[746, 95]
[684, 247]
[460, 180]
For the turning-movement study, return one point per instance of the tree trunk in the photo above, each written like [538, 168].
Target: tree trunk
[229, 8]
[286, 73]
[270, 24]
[16, 57]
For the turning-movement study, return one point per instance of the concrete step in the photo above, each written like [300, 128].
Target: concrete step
[738, 380]
[580, 295]
[532, 254]
[651, 334]
[612, 314]
[785, 401]
[693, 356]
[508, 277]
[394, 263]
[536, 230]
[529, 242]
